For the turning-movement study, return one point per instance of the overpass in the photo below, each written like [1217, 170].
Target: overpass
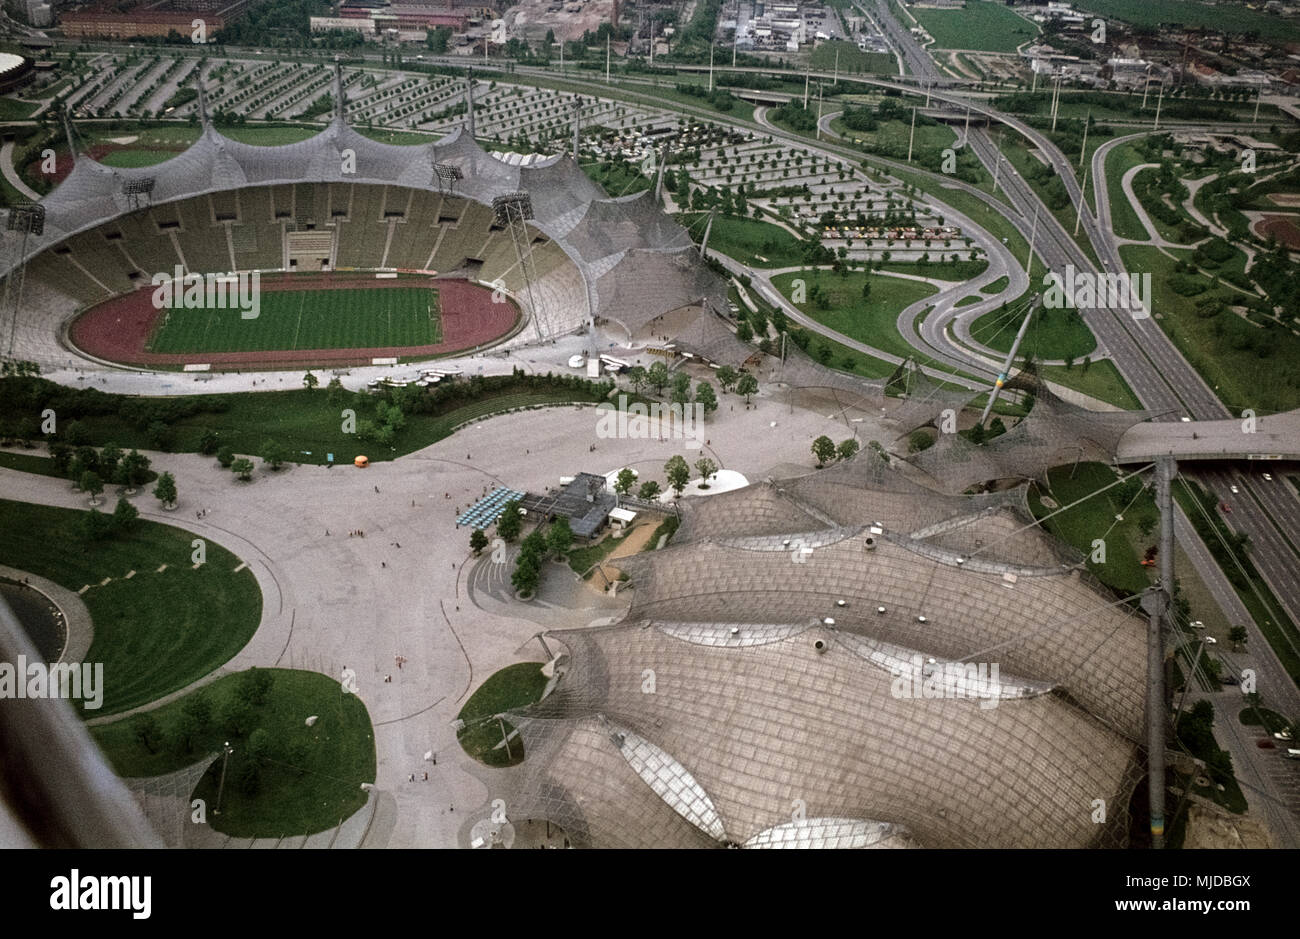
[1275, 437]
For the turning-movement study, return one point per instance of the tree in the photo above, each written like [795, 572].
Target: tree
[135, 469]
[1237, 636]
[658, 377]
[225, 456]
[91, 483]
[559, 538]
[254, 685]
[727, 377]
[527, 574]
[160, 435]
[109, 458]
[706, 468]
[274, 454]
[649, 491]
[198, 707]
[681, 394]
[848, 448]
[747, 385]
[678, 474]
[637, 376]
[743, 331]
[184, 729]
[95, 525]
[310, 380]
[477, 541]
[704, 395]
[125, 516]
[146, 732]
[437, 38]
[511, 522]
[624, 482]
[209, 441]
[235, 716]
[243, 469]
[166, 490]
[823, 449]
[259, 744]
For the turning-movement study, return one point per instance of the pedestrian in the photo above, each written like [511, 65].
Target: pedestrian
[383, 563]
[412, 777]
[376, 489]
[327, 533]
[426, 777]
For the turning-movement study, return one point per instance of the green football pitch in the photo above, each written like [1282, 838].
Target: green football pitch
[343, 318]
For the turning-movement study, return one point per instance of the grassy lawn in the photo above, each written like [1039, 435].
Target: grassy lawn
[872, 320]
[1052, 334]
[307, 779]
[893, 136]
[156, 632]
[852, 59]
[617, 178]
[997, 286]
[983, 25]
[400, 137]
[28, 463]
[13, 110]
[1102, 380]
[582, 560]
[1124, 220]
[1246, 365]
[1271, 721]
[514, 686]
[339, 318]
[1218, 17]
[1094, 518]
[307, 424]
[748, 240]
[941, 270]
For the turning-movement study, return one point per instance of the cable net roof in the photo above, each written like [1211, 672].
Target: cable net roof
[1054, 432]
[656, 270]
[763, 686]
[749, 741]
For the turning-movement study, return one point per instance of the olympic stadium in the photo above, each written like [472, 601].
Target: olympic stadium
[339, 204]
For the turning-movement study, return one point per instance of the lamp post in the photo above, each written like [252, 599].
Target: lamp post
[222, 785]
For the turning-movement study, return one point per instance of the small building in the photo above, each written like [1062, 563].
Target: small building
[584, 500]
[621, 519]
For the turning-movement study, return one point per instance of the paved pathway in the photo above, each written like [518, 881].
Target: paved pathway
[332, 600]
[11, 174]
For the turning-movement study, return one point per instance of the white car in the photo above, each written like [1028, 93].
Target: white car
[1234, 489]
[1268, 477]
[1211, 641]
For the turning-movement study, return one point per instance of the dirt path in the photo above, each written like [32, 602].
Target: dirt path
[633, 542]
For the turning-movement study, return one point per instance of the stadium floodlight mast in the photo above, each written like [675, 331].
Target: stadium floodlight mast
[28, 218]
[445, 177]
[138, 190]
[512, 211]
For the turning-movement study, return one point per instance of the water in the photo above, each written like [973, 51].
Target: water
[38, 617]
